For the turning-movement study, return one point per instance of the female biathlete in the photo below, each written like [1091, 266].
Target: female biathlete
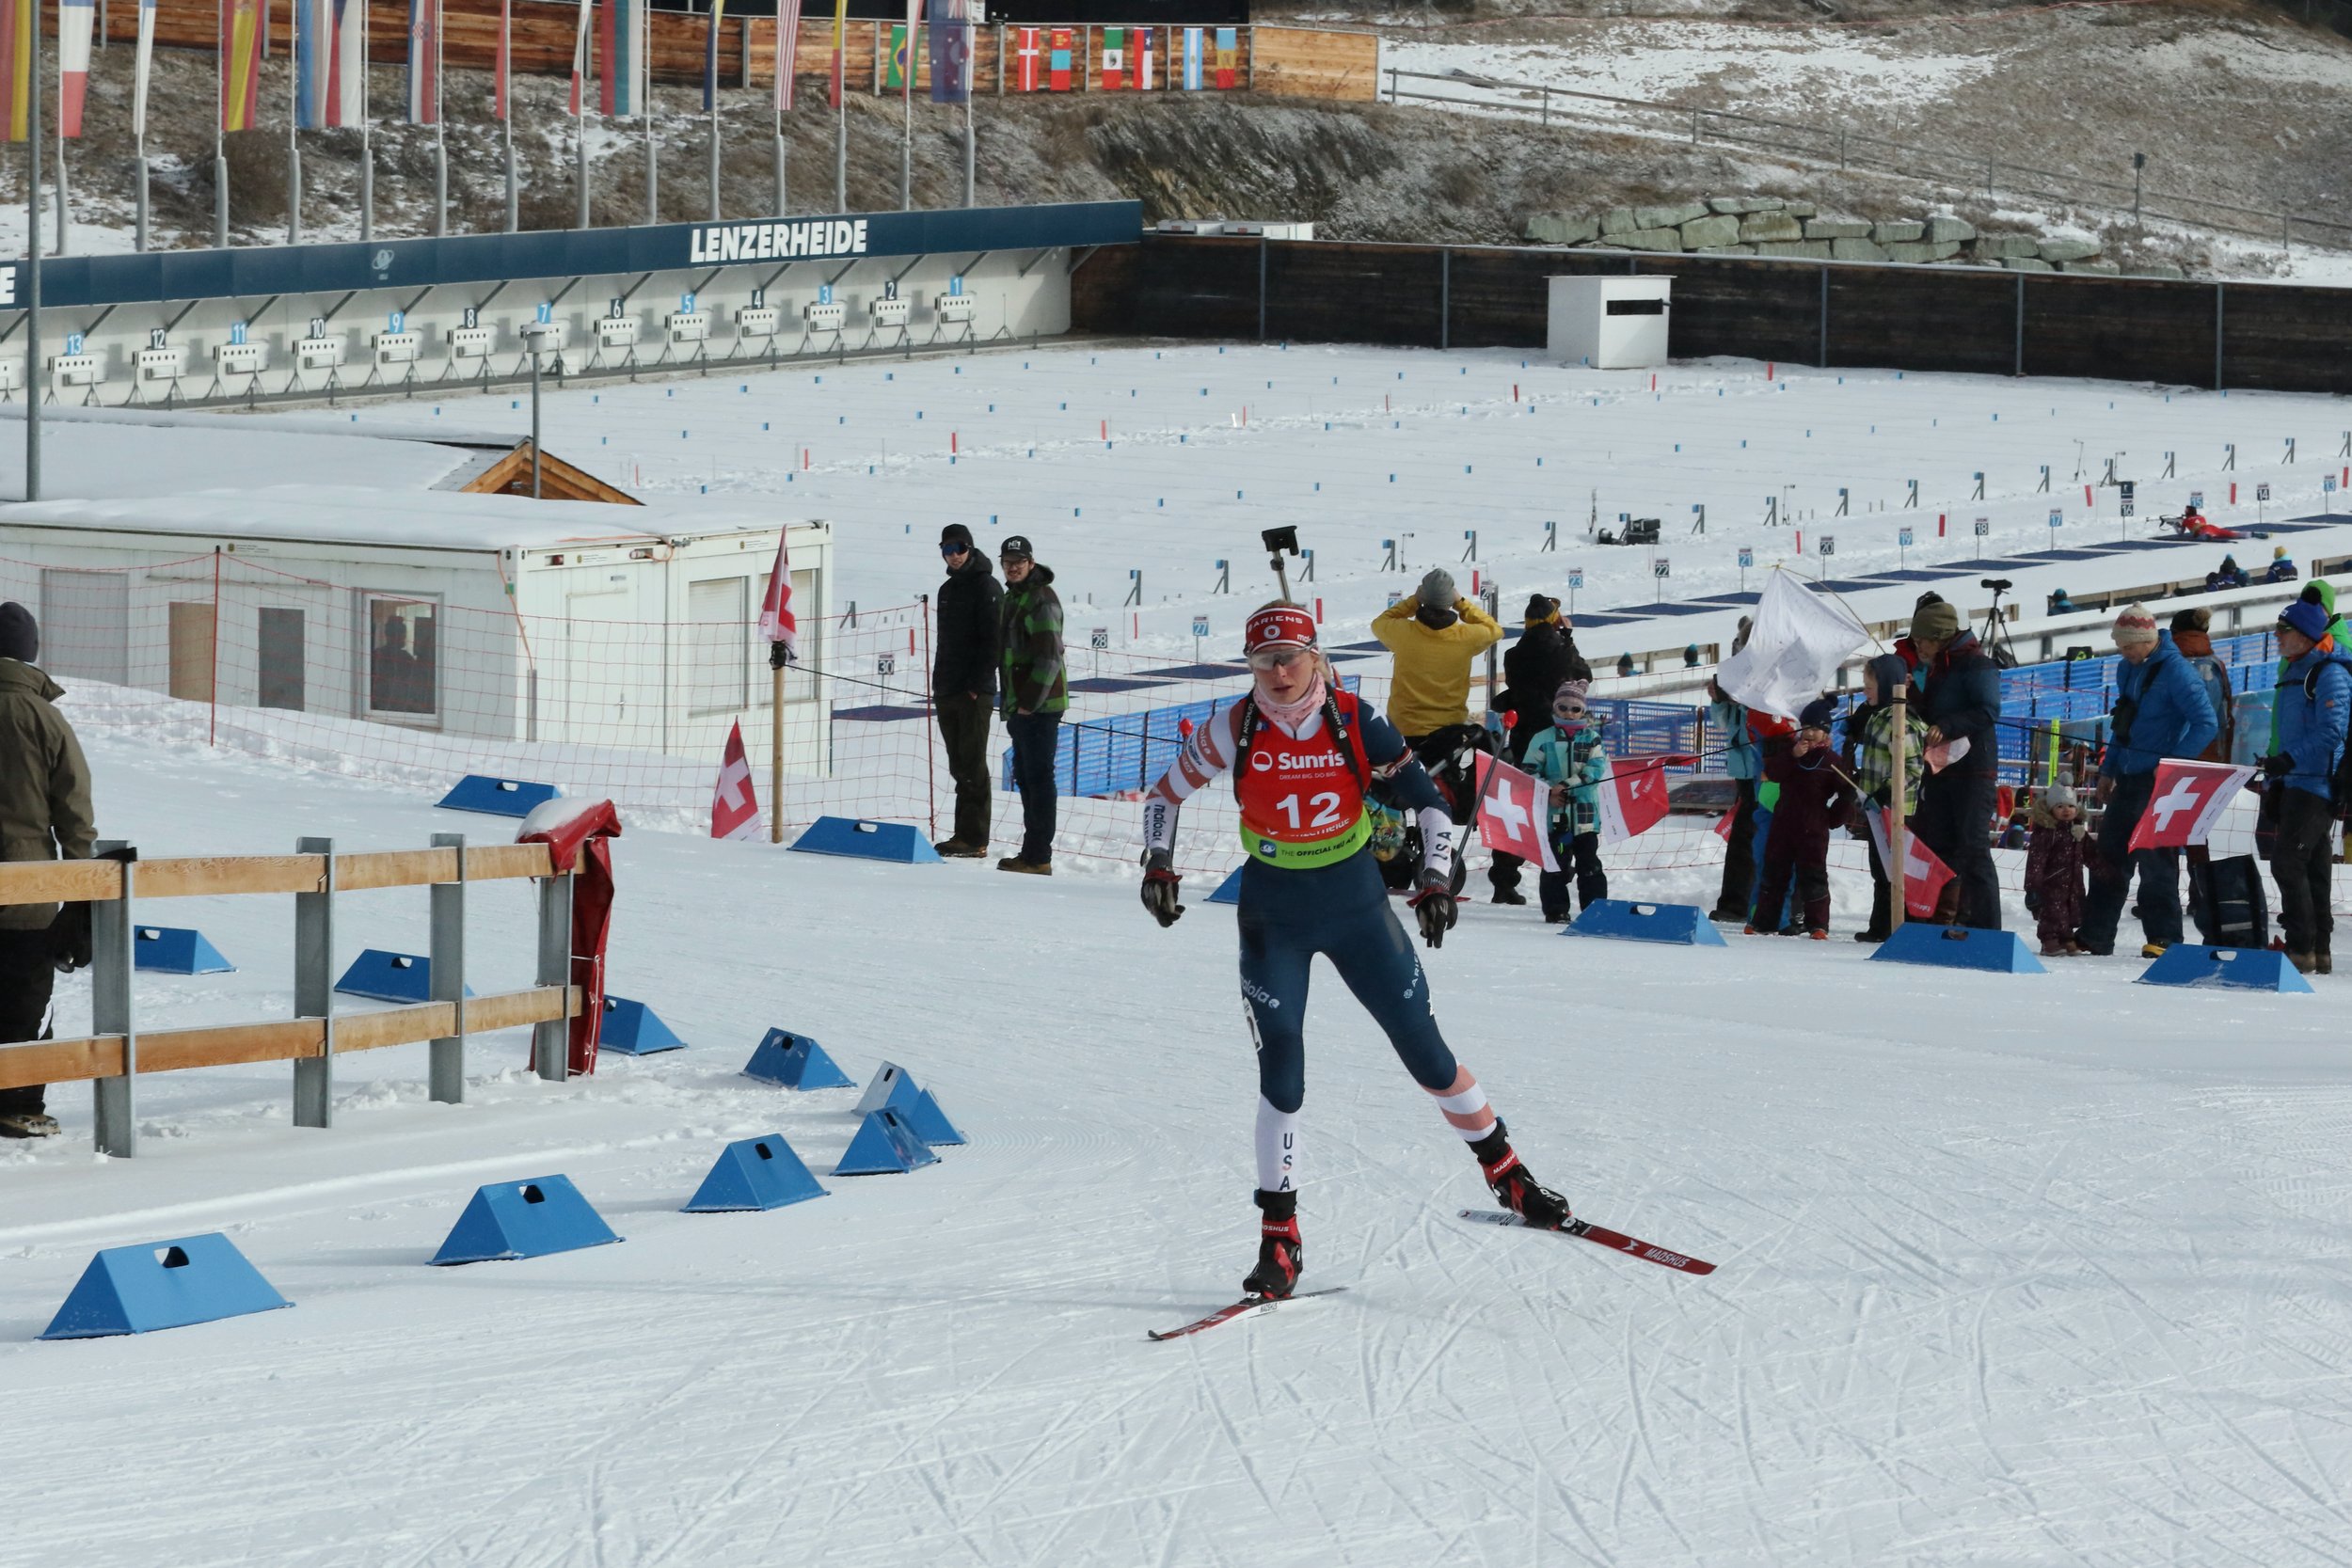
[1304, 754]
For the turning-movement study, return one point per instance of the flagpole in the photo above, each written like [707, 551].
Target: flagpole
[505, 88]
[441, 128]
[711, 73]
[969, 84]
[1898, 829]
[32, 282]
[294, 121]
[61, 198]
[367, 149]
[775, 103]
[641, 75]
[841, 122]
[906, 102]
[220, 107]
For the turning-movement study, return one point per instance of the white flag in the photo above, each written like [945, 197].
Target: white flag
[1798, 641]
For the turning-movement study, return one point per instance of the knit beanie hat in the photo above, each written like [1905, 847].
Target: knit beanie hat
[1541, 608]
[19, 637]
[2302, 615]
[2134, 628]
[955, 534]
[1935, 623]
[1436, 588]
[1570, 688]
[2198, 619]
[2057, 797]
[1818, 714]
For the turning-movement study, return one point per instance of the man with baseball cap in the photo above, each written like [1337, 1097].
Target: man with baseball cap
[1037, 693]
[964, 683]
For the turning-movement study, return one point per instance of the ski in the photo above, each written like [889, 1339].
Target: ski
[1616, 1241]
[1247, 1306]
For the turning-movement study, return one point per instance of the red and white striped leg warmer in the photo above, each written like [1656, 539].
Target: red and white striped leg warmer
[1465, 1106]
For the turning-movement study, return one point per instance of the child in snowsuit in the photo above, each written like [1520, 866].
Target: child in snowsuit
[2054, 869]
[1813, 795]
[1568, 756]
[1871, 758]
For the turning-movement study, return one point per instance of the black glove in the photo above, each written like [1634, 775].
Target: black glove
[778, 657]
[1433, 907]
[1159, 889]
[2277, 765]
[70, 945]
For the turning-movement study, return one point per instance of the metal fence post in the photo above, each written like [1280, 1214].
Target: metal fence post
[446, 1068]
[1445, 298]
[2220, 321]
[314, 989]
[1262, 288]
[2017, 359]
[551, 1040]
[113, 1100]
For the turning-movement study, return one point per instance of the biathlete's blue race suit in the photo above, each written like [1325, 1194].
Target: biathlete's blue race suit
[1312, 886]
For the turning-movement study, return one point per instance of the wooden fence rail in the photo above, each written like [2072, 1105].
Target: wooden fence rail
[115, 1053]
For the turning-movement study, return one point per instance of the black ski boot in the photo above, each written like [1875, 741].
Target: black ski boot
[1280, 1258]
[1513, 1187]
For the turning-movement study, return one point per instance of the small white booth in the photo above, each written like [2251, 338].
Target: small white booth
[1611, 324]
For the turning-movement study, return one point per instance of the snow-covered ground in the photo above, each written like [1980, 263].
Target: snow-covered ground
[2014, 1270]
[1166, 460]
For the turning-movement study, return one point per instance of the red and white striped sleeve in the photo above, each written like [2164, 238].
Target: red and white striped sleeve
[1209, 752]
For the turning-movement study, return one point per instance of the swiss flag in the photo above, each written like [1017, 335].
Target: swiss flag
[1723, 824]
[1513, 810]
[734, 807]
[1923, 871]
[776, 623]
[2185, 800]
[1634, 801]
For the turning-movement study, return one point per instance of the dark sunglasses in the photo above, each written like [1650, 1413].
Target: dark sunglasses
[953, 549]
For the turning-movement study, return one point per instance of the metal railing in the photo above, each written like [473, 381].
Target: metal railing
[1840, 147]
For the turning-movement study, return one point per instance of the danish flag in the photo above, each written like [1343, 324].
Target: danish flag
[734, 806]
[1512, 813]
[2184, 802]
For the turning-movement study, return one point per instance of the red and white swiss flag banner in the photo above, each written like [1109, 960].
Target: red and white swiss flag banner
[776, 624]
[1634, 801]
[2184, 803]
[1923, 871]
[1513, 810]
[734, 807]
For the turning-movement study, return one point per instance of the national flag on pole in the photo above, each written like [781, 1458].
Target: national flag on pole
[1634, 801]
[1923, 871]
[2185, 801]
[330, 63]
[1228, 56]
[1114, 58]
[776, 622]
[710, 57]
[621, 36]
[73, 25]
[734, 805]
[1027, 55]
[840, 28]
[1192, 60]
[1057, 61]
[581, 33]
[502, 63]
[788, 49]
[1514, 813]
[16, 65]
[240, 63]
[142, 67]
[951, 50]
[424, 62]
[1143, 60]
[1723, 824]
[894, 74]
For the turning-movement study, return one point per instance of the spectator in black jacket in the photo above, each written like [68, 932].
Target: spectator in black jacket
[964, 683]
[1543, 655]
[1960, 700]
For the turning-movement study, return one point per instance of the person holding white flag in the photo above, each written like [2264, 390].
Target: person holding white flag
[1794, 646]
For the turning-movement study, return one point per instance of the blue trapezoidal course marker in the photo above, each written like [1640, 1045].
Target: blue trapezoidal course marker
[1682, 925]
[134, 1290]
[524, 1219]
[884, 1145]
[388, 976]
[795, 1061]
[2225, 968]
[1228, 891]
[634, 1029]
[865, 840]
[1958, 947]
[176, 950]
[497, 797]
[755, 1173]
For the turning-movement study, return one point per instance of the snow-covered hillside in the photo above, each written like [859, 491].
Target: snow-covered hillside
[2013, 1269]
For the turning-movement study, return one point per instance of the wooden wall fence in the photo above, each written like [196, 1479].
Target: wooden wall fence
[1295, 62]
[2271, 336]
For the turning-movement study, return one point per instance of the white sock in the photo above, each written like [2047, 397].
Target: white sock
[1278, 1149]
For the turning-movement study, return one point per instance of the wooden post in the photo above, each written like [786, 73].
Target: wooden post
[1898, 831]
[775, 754]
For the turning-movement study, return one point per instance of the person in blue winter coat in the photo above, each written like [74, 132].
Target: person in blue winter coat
[1570, 756]
[2160, 711]
[2314, 699]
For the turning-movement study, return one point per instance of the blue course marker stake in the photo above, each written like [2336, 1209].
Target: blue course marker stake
[763, 424]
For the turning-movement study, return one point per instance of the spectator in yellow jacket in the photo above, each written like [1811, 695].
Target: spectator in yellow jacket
[1433, 636]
